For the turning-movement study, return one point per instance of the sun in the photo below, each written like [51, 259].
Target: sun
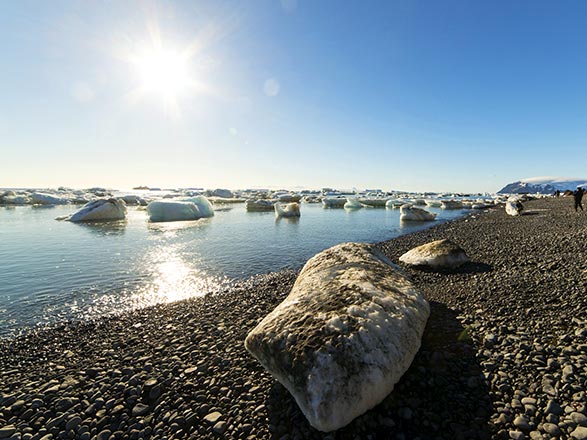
[163, 72]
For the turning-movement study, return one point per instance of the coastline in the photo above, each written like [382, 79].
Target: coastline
[506, 338]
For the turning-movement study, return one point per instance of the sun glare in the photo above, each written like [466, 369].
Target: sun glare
[164, 73]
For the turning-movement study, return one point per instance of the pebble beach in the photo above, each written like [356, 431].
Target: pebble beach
[504, 354]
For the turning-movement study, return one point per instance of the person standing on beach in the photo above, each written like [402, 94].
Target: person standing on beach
[578, 196]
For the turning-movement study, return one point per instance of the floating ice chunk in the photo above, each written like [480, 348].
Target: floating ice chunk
[175, 210]
[100, 210]
[373, 202]
[352, 203]
[409, 213]
[333, 202]
[437, 254]
[287, 209]
[344, 336]
[134, 200]
[451, 204]
[259, 205]
[433, 203]
[204, 206]
[39, 198]
[394, 204]
[219, 192]
[289, 198]
[11, 198]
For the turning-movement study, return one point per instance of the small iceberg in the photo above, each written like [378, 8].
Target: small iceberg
[394, 204]
[39, 198]
[287, 210]
[353, 204]
[259, 205]
[180, 210]
[100, 210]
[410, 213]
[451, 204]
[334, 202]
[373, 202]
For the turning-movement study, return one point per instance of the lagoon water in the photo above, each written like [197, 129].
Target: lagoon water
[52, 270]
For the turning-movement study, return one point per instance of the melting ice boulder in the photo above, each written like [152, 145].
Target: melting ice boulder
[344, 336]
[514, 207]
[259, 205]
[440, 254]
[451, 204]
[287, 209]
[352, 203]
[100, 210]
[39, 198]
[178, 210]
[409, 213]
[333, 202]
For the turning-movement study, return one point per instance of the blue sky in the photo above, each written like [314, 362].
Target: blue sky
[413, 95]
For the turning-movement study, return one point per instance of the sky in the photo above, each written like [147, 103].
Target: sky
[451, 95]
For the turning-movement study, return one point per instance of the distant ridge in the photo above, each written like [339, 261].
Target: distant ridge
[543, 185]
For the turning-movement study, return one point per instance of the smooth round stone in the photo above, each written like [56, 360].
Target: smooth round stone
[517, 435]
[7, 431]
[522, 423]
[220, 428]
[580, 433]
[551, 428]
[579, 419]
[213, 417]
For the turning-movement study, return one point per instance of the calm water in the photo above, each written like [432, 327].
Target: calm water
[52, 270]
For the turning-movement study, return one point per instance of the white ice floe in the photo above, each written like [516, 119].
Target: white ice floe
[433, 203]
[451, 204]
[259, 205]
[39, 198]
[352, 203]
[410, 213]
[176, 210]
[333, 202]
[394, 204]
[373, 202]
[100, 210]
[287, 209]
[344, 336]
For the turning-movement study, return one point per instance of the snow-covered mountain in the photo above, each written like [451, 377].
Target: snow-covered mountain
[543, 185]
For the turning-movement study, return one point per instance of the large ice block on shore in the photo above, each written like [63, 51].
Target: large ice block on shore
[100, 210]
[178, 210]
[440, 254]
[344, 336]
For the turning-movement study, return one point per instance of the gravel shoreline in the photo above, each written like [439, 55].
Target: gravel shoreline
[504, 354]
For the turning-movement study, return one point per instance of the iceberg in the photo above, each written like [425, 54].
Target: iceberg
[451, 204]
[100, 210]
[39, 198]
[352, 203]
[259, 205]
[409, 213]
[287, 209]
[373, 202]
[179, 210]
[333, 202]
